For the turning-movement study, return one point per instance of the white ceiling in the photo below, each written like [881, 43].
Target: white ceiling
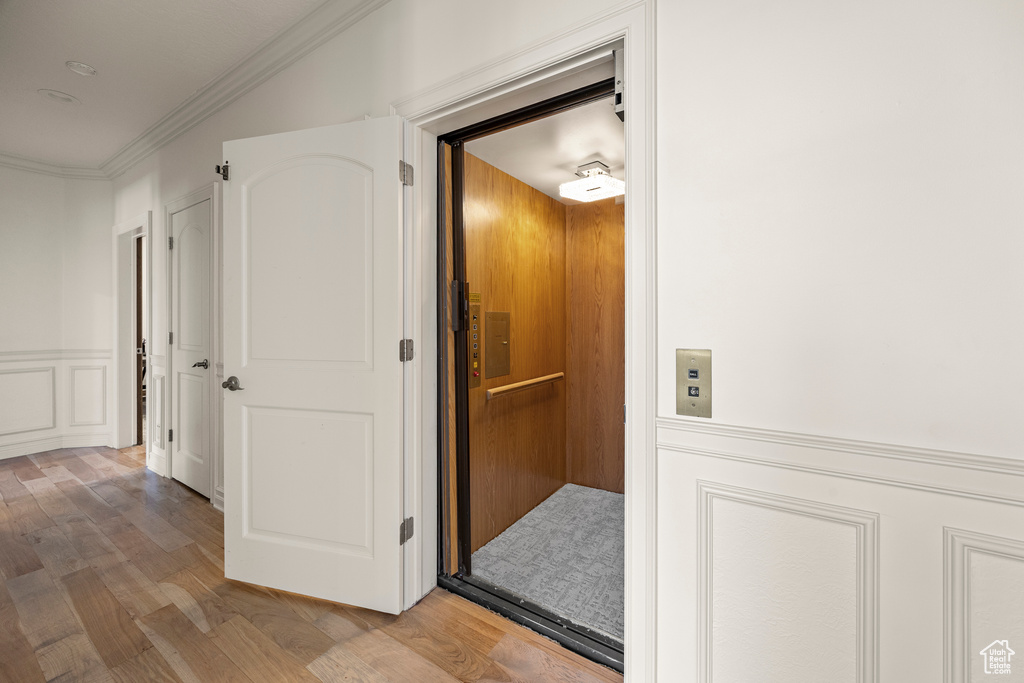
[160, 64]
[150, 55]
[544, 154]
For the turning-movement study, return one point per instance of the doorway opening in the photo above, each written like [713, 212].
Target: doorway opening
[141, 325]
[532, 381]
[130, 242]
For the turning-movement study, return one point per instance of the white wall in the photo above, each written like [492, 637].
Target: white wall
[55, 325]
[840, 212]
[31, 260]
[843, 185]
[88, 296]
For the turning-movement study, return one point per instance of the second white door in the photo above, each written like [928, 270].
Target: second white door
[191, 370]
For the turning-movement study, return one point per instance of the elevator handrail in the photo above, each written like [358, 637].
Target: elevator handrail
[519, 386]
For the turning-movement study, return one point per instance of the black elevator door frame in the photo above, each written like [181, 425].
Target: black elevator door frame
[460, 287]
[575, 638]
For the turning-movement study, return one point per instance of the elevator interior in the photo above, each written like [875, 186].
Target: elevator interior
[533, 469]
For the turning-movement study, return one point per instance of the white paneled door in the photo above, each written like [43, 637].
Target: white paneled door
[190, 345]
[313, 255]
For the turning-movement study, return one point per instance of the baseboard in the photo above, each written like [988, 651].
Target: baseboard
[157, 462]
[50, 443]
[218, 498]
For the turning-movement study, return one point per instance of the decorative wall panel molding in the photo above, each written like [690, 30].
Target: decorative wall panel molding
[972, 461]
[53, 398]
[87, 395]
[55, 354]
[1003, 484]
[963, 652]
[27, 400]
[50, 443]
[864, 573]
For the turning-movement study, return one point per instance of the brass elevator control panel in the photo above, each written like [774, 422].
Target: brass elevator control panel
[476, 344]
[497, 352]
[693, 382]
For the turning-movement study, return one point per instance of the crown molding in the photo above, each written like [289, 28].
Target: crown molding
[33, 166]
[321, 25]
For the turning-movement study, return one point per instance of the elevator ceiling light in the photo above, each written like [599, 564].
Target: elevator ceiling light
[595, 183]
[80, 68]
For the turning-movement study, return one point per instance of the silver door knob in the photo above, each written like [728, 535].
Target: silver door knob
[231, 383]
[201, 364]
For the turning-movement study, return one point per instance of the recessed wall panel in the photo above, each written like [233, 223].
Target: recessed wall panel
[984, 607]
[88, 387]
[787, 588]
[321, 463]
[996, 595]
[27, 400]
[307, 229]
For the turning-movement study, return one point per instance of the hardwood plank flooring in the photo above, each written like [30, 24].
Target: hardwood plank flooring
[111, 573]
[73, 658]
[18, 662]
[108, 625]
[258, 656]
[44, 613]
[16, 557]
[198, 651]
[147, 666]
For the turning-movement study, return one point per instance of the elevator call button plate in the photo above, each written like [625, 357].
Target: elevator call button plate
[693, 382]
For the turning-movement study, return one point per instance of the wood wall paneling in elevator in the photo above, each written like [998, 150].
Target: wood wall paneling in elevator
[559, 272]
[595, 371]
[515, 260]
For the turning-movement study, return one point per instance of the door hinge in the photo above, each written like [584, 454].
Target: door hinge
[170, 243]
[405, 172]
[170, 337]
[405, 350]
[222, 170]
[170, 435]
[405, 531]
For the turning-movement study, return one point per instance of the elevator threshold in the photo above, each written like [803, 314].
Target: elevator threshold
[565, 559]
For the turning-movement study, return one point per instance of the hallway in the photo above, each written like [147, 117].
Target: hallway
[110, 572]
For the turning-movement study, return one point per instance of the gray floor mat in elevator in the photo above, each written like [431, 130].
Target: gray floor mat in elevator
[566, 555]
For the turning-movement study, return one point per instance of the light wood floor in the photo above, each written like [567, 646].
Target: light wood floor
[111, 573]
